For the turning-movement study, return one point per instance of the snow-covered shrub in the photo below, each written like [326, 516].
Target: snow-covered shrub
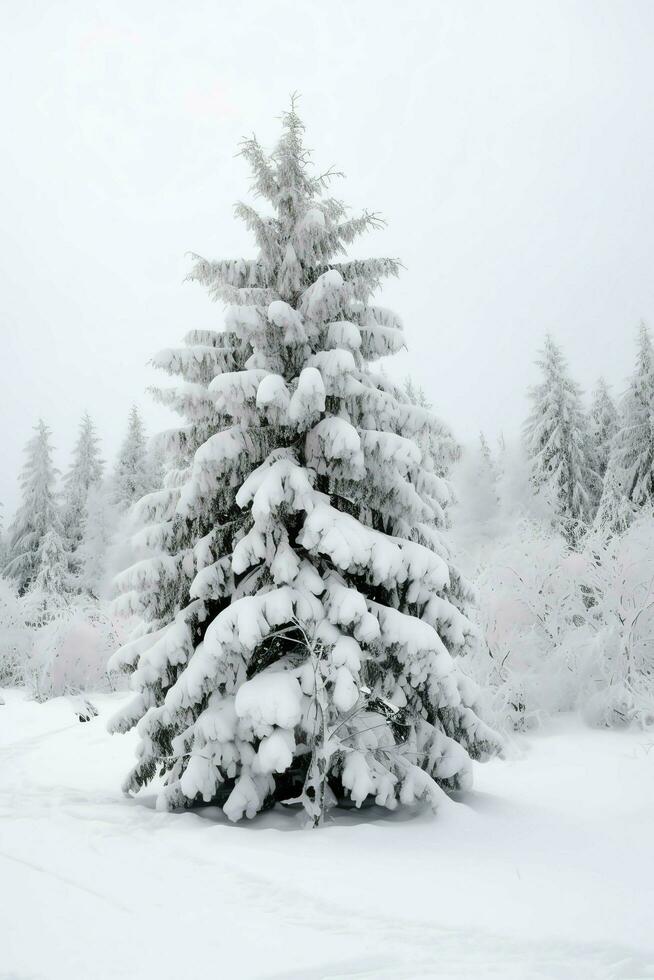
[567, 630]
[527, 588]
[70, 651]
[15, 636]
[55, 647]
[617, 675]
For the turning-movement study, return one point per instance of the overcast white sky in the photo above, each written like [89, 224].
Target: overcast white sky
[508, 144]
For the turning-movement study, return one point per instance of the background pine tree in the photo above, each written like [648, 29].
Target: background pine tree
[558, 446]
[132, 476]
[634, 443]
[603, 425]
[38, 512]
[85, 472]
[48, 591]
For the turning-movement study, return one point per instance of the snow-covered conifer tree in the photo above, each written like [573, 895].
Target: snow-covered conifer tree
[633, 446]
[156, 465]
[302, 629]
[132, 476]
[85, 472]
[629, 478]
[488, 463]
[416, 393]
[98, 537]
[48, 590]
[486, 480]
[557, 441]
[603, 418]
[38, 513]
[3, 541]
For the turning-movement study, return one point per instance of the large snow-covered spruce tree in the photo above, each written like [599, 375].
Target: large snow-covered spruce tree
[37, 519]
[558, 444]
[302, 616]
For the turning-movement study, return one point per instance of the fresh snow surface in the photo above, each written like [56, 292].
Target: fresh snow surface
[545, 870]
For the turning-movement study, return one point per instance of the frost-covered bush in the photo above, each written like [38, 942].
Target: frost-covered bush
[66, 650]
[568, 630]
[70, 652]
[15, 636]
[565, 629]
[529, 597]
[617, 666]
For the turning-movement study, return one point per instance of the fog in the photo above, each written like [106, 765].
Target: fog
[508, 146]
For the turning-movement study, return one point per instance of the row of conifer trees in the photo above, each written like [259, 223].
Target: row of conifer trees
[57, 541]
[596, 466]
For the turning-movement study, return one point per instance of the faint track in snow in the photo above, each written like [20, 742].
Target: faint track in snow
[66, 881]
[33, 740]
[458, 956]
[415, 948]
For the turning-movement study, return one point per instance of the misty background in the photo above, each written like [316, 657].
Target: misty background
[508, 146]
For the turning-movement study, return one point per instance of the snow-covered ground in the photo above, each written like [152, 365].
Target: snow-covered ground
[545, 870]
